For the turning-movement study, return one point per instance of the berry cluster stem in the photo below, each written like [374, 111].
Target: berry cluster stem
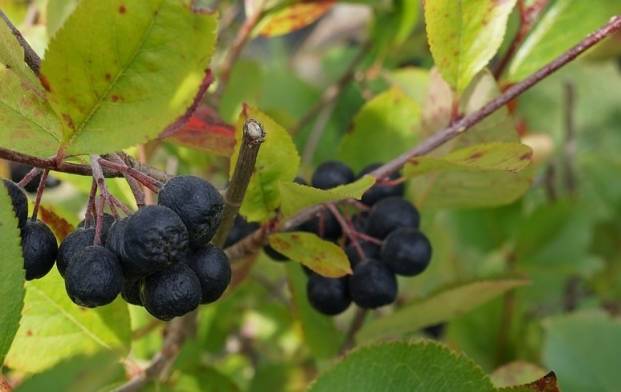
[40, 189]
[29, 177]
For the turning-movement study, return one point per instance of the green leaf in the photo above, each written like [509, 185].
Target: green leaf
[583, 349]
[443, 305]
[12, 273]
[412, 80]
[203, 379]
[12, 55]
[118, 72]
[319, 333]
[564, 24]
[384, 127]
[27, 123]
[323, 257]
[403, 366]
[516, 373]
[53, 328]
[57, 13]
[278, 160]
[296, 197]
[484, 175]
[464, 35]
[393, 27]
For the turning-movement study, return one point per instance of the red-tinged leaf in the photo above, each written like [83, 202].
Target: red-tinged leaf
[204, 131]
[58, 224]
[294, 17]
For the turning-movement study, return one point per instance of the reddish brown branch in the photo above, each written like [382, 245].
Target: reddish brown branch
[30, 56]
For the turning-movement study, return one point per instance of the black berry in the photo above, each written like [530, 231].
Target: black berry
[71, 246]
[324, 224]
[328, 295]
[39, 249]
[213, 270]
[331, 174]
[198, 204]
[172, 292]
[241, 228]
[131, 291]
[274, 254]
[155, 238]
[369, 251]
[108, 220]
[406, 251]
[115, 241]
[94, 278]
[390, 214]
[19, 201]
[381, 191]
[372, 285]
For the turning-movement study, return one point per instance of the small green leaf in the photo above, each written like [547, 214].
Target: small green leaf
[583, 349]
[319, 333]
[12, 55]
[118, 72]
[384, 127]
[278, 160]
[202, 379]
[516, 373]
[443, 305]
[392, 27]
[564, 24]
[296, 197]
[321, 256]
[27, 123]
[464, 35]
[12, 273]
[404, 366]
[54, 328]
[478, 176]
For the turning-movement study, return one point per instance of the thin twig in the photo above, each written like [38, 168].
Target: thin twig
[134, 185]
[356, 323]
[146, 329]
[249, 244]
[150, 182]
[346, 228]
[40, 189]
[29, 177]
[30, 56]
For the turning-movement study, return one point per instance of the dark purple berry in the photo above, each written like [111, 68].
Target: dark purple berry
[406, 252]
[213, 270]
[172, 292]
[372, 285]
[331, 174]
[39, 249]
[369, 251]
[390, 214]
[94, 278]
[71, 246]
[131, 291]
[328, 295]
[381, 191]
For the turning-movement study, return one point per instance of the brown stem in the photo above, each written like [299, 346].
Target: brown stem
[146, 329]
[346, 228]
[29, 177]
[135, 187]
[40, 189]
[356, 323]
[150, 182]
[30, 56]
[245, 246]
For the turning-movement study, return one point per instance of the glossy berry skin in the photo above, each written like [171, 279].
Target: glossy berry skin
[379, 191]
[155, 238]
[39, 249]
[72, 245]
[390, 214]
[274, 255]
[406, 252]
[95, 278]
[324, 224]
[240, 230]
[19, 201]
[172, 292]
[131, 291]
[108, 221]
[198, 204]
[372, 285]
[328, 295]
[331, 174]
[370, 251]
[115, 240]
[213, 270]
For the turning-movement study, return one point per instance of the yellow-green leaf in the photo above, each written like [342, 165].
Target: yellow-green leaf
[12, 273]
[296, 197]
[12, 55]
[119, 71]
[464, 35]
[293, 17]
[323, 257]
[53, 328]
[278, 160]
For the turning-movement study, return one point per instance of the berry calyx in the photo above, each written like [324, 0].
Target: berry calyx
[390, 214]
[155, 238]
[372, 285]
[331, 174]
[198, 204]
[19, 201]
[329, 296]
[94, 278]
[406, 252]
[172, 292]
[211, 266]
[39, 249]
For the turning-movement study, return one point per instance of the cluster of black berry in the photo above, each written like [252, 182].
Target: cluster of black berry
[387, 243]
[39, 247]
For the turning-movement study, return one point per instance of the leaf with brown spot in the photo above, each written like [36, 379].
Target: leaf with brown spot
[206, 132]
[547, 383]
[323, 257]
[57, 223]
[293, 17]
